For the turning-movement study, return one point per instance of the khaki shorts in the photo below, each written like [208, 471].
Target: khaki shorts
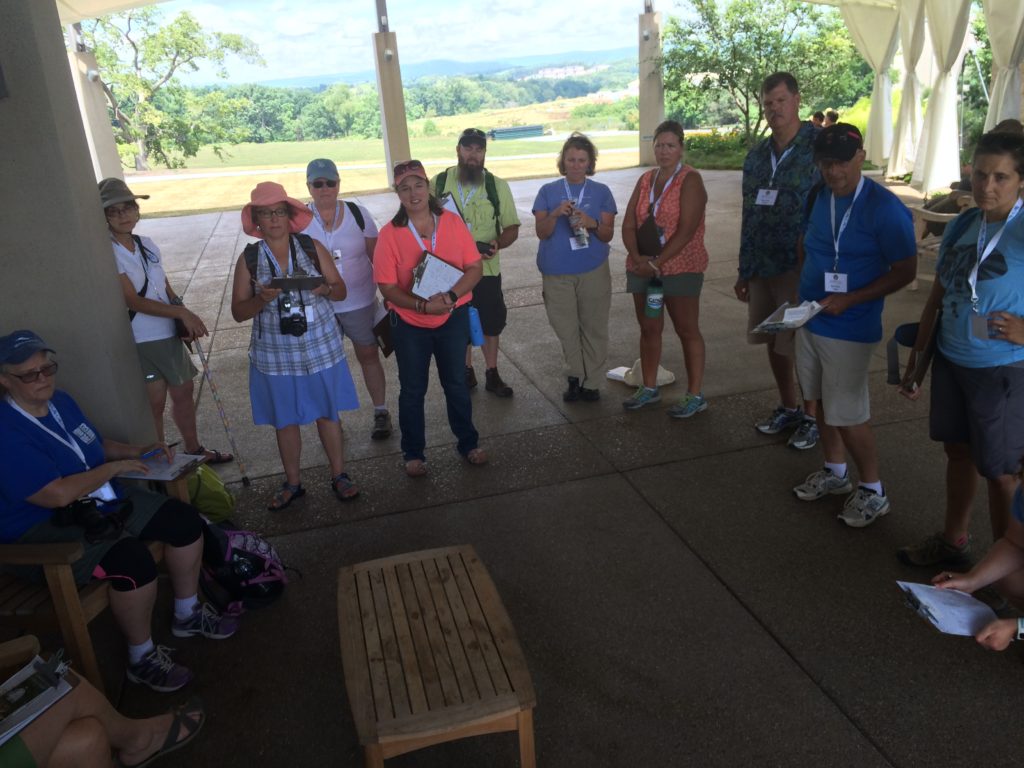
[358, 325]
[167, 360]
[835, 372]
[767, 294]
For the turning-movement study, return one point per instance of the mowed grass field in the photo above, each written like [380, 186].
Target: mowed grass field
[212, 183]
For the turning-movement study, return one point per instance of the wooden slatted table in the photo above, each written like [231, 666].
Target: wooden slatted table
[430, 655]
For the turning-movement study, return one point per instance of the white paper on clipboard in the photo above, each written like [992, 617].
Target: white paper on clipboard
[434, 275]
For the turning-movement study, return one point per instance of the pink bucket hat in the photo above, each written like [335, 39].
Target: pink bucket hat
[270, 193]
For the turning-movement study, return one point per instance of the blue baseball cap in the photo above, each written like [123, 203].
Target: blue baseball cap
[19, 346]
[321, 168]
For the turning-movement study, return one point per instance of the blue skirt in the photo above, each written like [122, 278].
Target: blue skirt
[286, 400]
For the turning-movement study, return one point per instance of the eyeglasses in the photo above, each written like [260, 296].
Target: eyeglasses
[117, 211]
[276, 213]
[28, 377]
[321, 183]
[410, 165]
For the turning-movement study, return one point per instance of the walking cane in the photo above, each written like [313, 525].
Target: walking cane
[223, 416]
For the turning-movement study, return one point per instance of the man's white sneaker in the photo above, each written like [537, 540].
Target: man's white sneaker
[863, 507]
[822, 483]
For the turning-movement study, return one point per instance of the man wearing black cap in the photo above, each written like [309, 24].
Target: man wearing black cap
[857, 247]
[485, 203]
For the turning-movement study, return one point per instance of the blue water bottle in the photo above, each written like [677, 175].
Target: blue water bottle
[476, 331]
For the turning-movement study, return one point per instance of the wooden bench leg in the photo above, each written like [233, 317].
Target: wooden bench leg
[71, 619]
[527, 756]
[373, 756]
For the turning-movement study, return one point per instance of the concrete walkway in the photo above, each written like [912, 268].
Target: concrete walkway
[677, 605]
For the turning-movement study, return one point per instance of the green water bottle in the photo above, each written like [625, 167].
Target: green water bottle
[655, 298]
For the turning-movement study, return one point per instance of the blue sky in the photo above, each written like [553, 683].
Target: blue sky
[313, 37]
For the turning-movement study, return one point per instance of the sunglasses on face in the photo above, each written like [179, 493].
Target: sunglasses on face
[276, 213]
[29, 377]
[321, 183]
[117, 211]
[411, 165]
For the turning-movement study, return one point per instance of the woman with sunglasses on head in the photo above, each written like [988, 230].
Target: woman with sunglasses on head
[58, 483]
[436, 326]
[348, 232]
[297, 367]
[157, 316]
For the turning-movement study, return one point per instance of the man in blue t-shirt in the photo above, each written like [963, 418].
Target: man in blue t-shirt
[858, 246]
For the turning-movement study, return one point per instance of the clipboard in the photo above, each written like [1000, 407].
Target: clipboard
[433, 275]
[297, 282]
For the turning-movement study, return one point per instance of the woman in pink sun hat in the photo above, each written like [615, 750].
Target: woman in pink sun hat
[297, 367]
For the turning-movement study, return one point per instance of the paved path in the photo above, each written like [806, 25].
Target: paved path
[677, 605]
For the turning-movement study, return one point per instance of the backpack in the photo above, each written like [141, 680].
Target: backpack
[241, 570]
[251, 253]
[489, 187]
[208, 494]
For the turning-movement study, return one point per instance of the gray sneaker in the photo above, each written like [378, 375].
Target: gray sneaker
[863, 507]
[381, 426]
[822, 483]
[805, 436]
[781, 418]
[935, 550]
[157, 670]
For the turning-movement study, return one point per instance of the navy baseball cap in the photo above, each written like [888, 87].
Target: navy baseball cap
[19, 346]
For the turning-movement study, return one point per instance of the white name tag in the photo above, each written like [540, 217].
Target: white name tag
[980, 328]
[337, 259]
[576, 245]
[835, 282]
[767, 196]
[83, 433]
[310, 314]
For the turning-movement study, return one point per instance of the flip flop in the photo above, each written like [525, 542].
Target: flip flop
[416, 468]
[191, 716]
[216, 458]
[477, 456]
[343, 487]
[278, 500]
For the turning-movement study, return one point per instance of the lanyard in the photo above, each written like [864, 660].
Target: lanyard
[433, 237]
[67, 440]
[272, 261]
[776, 162]
[656, 204]
[836, 235]
[985, 250]
[568, 193]
[463, 197]
[328, 233]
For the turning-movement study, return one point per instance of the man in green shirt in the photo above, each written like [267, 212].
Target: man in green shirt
[485, 203]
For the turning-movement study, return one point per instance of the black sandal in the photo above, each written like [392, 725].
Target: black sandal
[217, 458]
[343, 487]
[278, 500]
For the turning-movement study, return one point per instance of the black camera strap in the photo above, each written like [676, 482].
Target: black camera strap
[293, 264]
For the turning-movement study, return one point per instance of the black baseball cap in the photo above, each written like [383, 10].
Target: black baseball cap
[472, 136]
[838, 142]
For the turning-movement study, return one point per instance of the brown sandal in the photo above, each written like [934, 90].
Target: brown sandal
[477, 456]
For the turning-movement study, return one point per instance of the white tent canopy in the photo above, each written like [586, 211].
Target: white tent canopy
[908, 124]
[1005, 22]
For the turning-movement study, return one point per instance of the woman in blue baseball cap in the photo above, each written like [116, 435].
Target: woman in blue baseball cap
[58, 483]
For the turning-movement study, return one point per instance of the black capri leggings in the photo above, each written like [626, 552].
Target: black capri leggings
[129, 565]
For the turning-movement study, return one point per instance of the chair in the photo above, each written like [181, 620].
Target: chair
[59, 604]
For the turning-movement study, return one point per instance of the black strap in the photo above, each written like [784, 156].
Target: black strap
[357, 215]
[145, 285]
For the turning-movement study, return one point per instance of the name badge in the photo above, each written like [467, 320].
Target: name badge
[835, 282]
[310, 313]
[104, 493]
[337, 259]
[980, 328]
[83, 433]
[767, 196]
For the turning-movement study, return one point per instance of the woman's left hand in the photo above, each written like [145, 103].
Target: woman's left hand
[324, 289]
[1007, 327]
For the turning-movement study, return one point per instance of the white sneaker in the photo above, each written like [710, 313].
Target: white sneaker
[863, 507]
[822, 483]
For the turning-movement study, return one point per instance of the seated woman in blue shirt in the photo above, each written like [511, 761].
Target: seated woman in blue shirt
[52, 459]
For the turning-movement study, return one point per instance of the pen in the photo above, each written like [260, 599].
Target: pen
[156, 451]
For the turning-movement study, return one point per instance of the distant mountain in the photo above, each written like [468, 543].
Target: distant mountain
[448, 68]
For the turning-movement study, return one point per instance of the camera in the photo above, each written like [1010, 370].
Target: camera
[99, 525]
[293, 318]
[485, 249]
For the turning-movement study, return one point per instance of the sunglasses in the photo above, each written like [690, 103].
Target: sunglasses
[321, 183]
[411, 165]
[475, 133]
[28, 377]
[117, 211]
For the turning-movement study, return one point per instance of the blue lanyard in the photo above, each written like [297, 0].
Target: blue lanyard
[465, 199]
[272, 261]
[328, 233]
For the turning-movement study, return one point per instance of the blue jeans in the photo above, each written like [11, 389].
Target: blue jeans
[414, 347]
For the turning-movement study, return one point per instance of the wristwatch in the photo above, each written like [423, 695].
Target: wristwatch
[453, 296]
[178, 301]
[1020, 629]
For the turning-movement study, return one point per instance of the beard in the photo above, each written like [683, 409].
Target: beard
[471, 174]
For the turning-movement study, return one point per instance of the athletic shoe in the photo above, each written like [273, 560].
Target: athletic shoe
[806, 435]
[643, 396]
[206, 621]
[381, 425]
[689, 406]
[863, 507]
[781, 418]
[822, 483]
[159, 672]
[470, 377]
[572, 394]
[935, 550]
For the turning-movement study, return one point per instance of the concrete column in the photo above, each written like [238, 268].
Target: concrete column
[652, 85]
[59, 273]
[93, 106]
[392, 100]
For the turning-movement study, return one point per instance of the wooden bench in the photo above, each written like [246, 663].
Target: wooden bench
[430, 655]
[59, 604]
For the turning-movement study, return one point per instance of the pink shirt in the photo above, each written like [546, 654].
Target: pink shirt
[694, 256]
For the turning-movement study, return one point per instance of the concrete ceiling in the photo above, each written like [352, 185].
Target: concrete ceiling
[71, 11]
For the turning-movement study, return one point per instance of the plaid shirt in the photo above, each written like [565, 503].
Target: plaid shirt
[277, 354]
[769, 233]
